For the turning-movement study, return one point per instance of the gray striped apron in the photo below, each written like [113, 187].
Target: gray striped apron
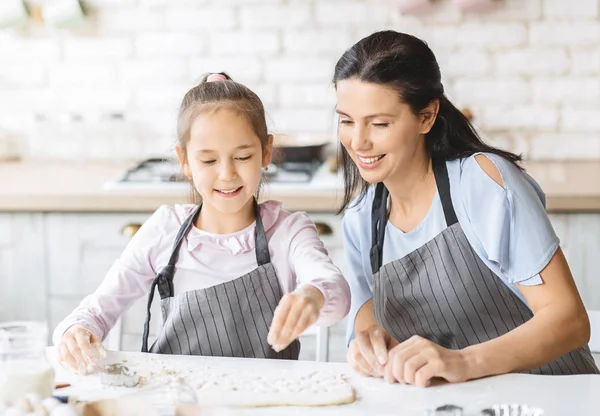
[445, 293]
[230, 319]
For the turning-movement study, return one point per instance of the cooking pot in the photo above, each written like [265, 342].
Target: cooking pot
[299, 147]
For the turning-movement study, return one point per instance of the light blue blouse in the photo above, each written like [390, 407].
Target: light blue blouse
[507, 227]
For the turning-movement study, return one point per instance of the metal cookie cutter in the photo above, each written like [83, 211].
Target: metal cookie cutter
[447, 410]
[119, 375]
[512, 410]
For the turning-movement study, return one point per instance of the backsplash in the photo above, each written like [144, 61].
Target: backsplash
[529, 70]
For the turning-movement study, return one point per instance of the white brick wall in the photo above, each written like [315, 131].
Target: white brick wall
[528, 69]
[565, 9]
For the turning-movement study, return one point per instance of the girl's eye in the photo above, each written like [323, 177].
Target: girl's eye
[381, 124]
[345, 121]
[208, 162]
[243, 159]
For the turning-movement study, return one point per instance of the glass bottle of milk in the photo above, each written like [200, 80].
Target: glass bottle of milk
[24, 367]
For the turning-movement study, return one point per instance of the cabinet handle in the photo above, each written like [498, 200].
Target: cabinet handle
[323, 228]
[130, 229]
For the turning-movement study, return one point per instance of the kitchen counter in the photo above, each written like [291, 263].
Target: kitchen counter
[80, 187]
[556, 395]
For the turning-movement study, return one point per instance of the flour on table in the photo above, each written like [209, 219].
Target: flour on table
[281, 388]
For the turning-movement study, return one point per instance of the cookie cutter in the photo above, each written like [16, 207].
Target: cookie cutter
[119, 375]
[447, 410]
[512, 410]
[495, 410]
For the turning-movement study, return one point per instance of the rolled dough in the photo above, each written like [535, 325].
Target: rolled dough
[282, 388]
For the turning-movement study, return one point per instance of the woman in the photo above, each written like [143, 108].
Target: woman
[456, 270]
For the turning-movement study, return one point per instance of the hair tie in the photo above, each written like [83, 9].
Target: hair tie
[216, 78]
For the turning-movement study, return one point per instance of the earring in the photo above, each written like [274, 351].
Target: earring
[266, 168]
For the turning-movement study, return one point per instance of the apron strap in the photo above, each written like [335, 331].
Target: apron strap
[379, 212]
[378, 223]
[440, 171]
[261, 245]
[164, 279]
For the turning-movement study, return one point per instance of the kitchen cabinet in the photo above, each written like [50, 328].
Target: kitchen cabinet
[80, 249]
[22, 267]
[580, 241]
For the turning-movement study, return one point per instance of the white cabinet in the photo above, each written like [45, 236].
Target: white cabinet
[580, 241]
[22, 267]
[329, 227]
[80, 249]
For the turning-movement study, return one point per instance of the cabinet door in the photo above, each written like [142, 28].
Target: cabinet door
[80, 249]
[22, 267]
[329, 227]
[580, 241]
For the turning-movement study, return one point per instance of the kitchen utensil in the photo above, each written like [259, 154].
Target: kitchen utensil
[119, 375]
[447, 410]
[512, 410]
[300, 148]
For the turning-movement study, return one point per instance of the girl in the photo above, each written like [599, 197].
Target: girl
[456, 270]
[235, 278]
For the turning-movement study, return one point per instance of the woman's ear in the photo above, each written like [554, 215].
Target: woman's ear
[267, 151]
[429, 115]
[185, 166]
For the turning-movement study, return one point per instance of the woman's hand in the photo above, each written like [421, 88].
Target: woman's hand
[418, 360]
[296, 311]
[80, 350]
[368, 351]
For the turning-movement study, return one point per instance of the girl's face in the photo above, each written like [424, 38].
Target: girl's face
[224, 158]
[380, 133]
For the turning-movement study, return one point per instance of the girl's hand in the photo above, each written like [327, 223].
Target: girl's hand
[296, 311]
[80, 350]
[368, 351]
[418, 360]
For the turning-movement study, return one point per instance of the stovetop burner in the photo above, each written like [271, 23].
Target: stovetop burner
[157, 170]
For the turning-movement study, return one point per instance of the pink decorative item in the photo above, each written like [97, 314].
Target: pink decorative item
[474, 5]
[413, 6]
[216, 78]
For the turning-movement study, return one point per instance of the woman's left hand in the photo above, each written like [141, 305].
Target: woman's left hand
[295, 312]
[417, 360]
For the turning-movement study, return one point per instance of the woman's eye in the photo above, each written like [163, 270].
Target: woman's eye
[345, 121]
[244, 158]
[207, 162]
[381, 124]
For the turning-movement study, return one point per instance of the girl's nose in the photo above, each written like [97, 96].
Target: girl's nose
[227, 172]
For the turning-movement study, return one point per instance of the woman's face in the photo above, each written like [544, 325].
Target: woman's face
[380, 133]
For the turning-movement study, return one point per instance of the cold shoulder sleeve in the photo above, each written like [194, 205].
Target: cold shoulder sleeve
[509, 219]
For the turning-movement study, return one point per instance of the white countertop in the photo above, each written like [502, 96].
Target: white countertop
[556, 395]
[55, 186]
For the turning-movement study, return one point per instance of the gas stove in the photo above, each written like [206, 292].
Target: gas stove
[158, 172]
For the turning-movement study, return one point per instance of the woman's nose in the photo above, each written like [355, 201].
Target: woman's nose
[359, 139]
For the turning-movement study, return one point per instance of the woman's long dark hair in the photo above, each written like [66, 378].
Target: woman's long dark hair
[406, 64]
